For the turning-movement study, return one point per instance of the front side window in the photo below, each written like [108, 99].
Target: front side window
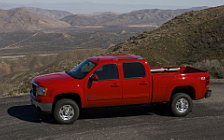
[107, 72]
[82, 69]
[133, 70]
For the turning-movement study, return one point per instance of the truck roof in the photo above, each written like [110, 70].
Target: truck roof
[98, 59]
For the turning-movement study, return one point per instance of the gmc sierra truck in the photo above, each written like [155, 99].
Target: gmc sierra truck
[117, 80]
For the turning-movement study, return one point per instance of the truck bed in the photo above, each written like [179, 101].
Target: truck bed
[174, 70]
[164, 78]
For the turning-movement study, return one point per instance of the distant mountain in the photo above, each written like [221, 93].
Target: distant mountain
[36, 19]
[86, 7]
[153, 17]
[53, 14]
[20, 19]
[194, 38]
[93, 20]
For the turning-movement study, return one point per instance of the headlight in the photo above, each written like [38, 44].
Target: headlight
[41, 91]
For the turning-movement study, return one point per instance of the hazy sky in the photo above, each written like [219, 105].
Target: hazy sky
[111, 5]
[150, 2]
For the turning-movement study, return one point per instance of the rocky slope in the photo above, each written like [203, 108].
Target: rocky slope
[195, 38]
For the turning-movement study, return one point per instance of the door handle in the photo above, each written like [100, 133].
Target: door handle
[143, 84]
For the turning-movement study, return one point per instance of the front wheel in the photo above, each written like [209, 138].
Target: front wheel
[181, 104]
[66, 111]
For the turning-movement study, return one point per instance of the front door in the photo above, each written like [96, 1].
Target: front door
[107, 89]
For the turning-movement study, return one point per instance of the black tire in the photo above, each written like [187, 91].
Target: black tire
[59, 107]
[176, 109]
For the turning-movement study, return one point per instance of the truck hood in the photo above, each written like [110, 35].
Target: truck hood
[53, 78]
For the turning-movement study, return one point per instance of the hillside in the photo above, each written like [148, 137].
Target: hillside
[18, 83]
[20, 19]
[195, 38]
[153, 17]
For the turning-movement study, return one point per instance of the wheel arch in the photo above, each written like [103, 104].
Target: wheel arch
[189, 90]
[74, 96]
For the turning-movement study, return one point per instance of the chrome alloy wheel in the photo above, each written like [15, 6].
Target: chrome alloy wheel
[182, 105]
[66, 112]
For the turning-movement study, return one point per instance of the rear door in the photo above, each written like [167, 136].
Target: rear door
[136, 86]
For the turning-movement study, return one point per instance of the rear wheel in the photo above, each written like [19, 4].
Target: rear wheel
[66, 111]
[181, 104]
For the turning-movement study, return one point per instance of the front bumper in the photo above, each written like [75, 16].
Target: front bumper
[208, 93]
[44, 107]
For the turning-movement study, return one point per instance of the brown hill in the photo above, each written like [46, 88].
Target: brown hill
[195, 38]
[20, 19]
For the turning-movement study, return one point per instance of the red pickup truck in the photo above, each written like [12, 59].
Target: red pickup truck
[117, 80]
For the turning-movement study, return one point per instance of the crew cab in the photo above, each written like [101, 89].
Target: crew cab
[117, 80]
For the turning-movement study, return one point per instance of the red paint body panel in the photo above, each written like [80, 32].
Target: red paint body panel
[137, 91]
[102, 93]
[157, 85]
[58, 83]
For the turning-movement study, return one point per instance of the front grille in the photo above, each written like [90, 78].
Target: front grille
[34, 89]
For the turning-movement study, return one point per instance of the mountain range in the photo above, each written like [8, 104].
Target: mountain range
[36, 19]
[85, 7]
[151, 17]
[53, 14]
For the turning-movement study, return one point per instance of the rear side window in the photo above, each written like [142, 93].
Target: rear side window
[107, 72]
[133, 70]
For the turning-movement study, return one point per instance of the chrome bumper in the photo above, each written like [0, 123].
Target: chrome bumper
[44, 107]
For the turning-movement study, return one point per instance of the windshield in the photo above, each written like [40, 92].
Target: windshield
[80, 71]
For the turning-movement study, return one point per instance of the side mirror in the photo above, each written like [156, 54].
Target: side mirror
[94, 77]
